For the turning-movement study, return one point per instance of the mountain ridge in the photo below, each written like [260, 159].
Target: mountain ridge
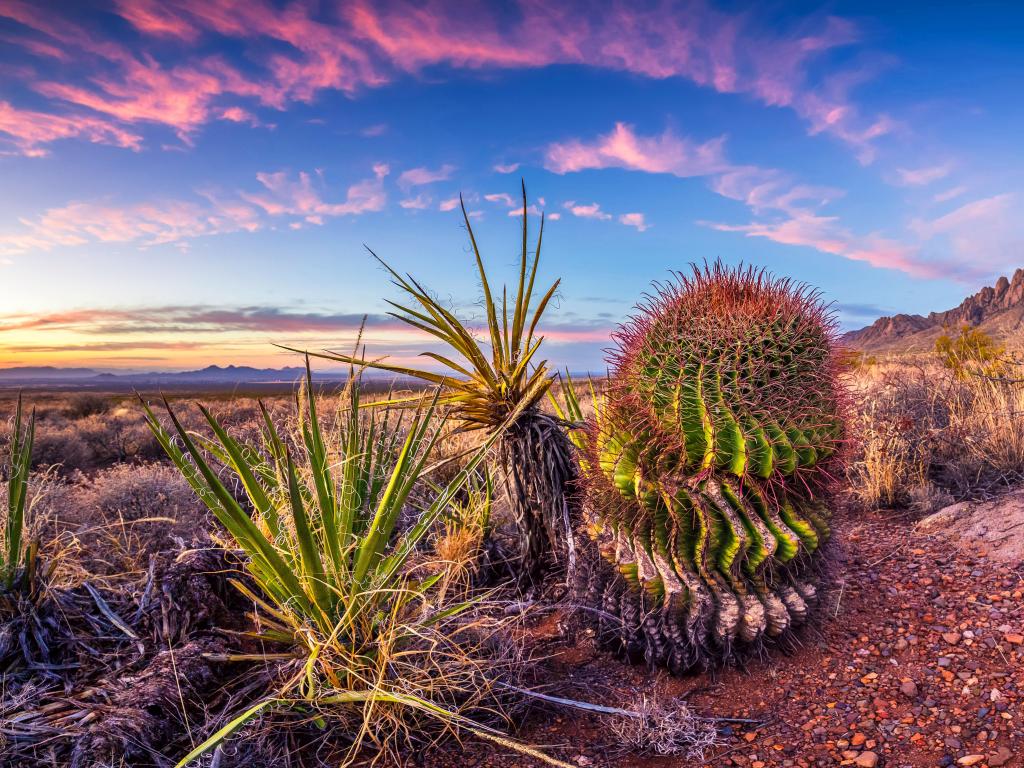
[48, 375]
[997, 310]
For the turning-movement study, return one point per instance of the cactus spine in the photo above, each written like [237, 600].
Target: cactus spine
[709, 467]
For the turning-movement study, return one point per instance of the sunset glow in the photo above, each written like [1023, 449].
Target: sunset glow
[186, 183]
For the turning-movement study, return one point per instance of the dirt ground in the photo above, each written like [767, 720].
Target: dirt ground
[917, 660]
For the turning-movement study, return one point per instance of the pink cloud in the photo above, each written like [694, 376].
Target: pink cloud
[623, 148]
[181, 97]
[502, 198]
[590, 211]
[448, 205]
[506, 167]
[302, 196]
[177, 221]
[826, 234]
[303, 49]
[635, 220]
[415, 177]
[146, 224]
[30, 131]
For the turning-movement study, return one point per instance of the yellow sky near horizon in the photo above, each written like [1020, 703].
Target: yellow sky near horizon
[69, 345]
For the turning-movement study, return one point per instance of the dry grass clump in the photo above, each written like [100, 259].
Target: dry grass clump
[665, 728]
[931, 433]
[117, 517]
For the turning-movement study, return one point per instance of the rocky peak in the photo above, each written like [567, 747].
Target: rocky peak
[976, 309]
[989, 302]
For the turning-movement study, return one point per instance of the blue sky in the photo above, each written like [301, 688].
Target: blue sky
[186, 182]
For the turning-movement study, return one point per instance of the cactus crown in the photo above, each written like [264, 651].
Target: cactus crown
[730, 369]
[709, 462]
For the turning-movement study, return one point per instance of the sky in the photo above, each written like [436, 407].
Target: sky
[190, 182]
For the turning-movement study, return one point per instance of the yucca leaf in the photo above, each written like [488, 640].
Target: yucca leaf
[22, 439]
[309, 547]
[319, 465]
[492, 320]
[231, 515]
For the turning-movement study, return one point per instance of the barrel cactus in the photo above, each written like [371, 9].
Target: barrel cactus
[709, 467]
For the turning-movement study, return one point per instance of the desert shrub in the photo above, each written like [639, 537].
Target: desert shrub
[709, 467]
[117, 517]
[931, 434]
[87, 404]
[971, 352]
[61, 446]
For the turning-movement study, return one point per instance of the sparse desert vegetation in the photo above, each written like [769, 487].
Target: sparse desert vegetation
[339, 576]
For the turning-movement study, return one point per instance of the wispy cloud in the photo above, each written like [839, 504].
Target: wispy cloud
[146, 224]
[417, 203]
[985, 209]
[624, 148]
[201, 333]
[986, 235]
[949, 194]
[919, 177]
[502, 198]
[506, 167]
[30, 131]
[790, 213]
[766, 190]
[175, 319]
[301, 196]
[826, 234]
[416, 177]
[300, 51]
[161, 222]
[791, 208]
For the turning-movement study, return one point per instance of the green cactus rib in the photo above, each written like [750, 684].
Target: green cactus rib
[708, 466]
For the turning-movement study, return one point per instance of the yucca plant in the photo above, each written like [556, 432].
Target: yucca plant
[709, 467]
[27, 621]
[19, 557]
[496, 382]
[375, 649]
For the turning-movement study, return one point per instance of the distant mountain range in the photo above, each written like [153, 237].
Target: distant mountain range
[997, 310]
[211, 376]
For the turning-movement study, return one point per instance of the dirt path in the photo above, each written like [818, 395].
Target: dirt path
[919, 661]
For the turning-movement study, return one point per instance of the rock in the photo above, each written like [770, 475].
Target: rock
[866, 760]
[1001, 757]
[951, 637]
[909, 689]
[857, 739]
[1014, 638]
[970, 759]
